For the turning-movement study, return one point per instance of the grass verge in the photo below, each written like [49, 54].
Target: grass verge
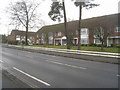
[85, 48]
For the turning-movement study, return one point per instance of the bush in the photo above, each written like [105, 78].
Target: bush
[104, 45]
[112, 45]
[91, 44]
[118, 45]
[95, 44]
[99, 45]
[13, 42]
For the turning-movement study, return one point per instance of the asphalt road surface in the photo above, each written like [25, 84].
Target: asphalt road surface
[47, 71]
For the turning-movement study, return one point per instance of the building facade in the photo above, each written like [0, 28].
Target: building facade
[55, 34]
[18, 35]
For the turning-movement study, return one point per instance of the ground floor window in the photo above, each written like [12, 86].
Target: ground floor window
[117, 41]
[84, 40]
[97, 41]
[37, 41]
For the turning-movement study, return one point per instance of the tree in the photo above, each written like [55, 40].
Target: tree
[4, 38]
[82, 4]
[101, 35]
[24, 13]
[56, 14]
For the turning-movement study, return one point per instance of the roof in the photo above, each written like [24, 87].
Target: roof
[22, 33]
[106, 21]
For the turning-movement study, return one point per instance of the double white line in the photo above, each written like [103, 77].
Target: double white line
[41, 81]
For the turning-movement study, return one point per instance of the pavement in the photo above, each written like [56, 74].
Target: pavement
[48, 71]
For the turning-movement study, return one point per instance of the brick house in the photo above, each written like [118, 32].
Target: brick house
[18, 35]
[54, 34]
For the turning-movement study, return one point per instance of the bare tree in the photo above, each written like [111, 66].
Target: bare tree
[23, 13]
[56, 14]
[101, 34]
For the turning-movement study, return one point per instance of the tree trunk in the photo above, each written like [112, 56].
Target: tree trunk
[26, 42]
[47, 39]
[65, 24]
[79, 29]
[102, 47]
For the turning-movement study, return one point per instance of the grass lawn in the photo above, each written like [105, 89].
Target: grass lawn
[86, 48]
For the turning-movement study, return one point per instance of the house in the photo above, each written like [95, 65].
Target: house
[55, 35]
[18, 35]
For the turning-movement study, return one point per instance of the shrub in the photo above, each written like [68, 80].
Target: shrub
[95, 44]
[112, 45]
[99, 45]
[13, 42]
[118, 45]
[105, 45]
[91, 44]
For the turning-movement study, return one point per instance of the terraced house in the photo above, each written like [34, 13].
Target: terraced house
[55, 35]
[18, 35]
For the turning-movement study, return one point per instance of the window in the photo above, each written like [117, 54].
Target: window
[84, 40]
[37, 35]
[50, 37]
[17, 37]
[30, 37]
[43, 40]
[117, 29]
[59, 33]
[97, 41]
[76, 32]
[117, 41]
[84, 31]
[37, 41]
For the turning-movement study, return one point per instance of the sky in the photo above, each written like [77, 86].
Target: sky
[106, 7]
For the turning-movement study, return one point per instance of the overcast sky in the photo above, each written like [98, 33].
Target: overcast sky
[106, 7]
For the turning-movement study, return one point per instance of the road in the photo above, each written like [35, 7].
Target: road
[47, 71]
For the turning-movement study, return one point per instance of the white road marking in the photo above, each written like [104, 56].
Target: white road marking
[41, 81]
[1, 61]
[29, 52]
[66, 64]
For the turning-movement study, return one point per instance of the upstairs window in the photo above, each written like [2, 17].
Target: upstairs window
[37, 35]
[17, 36]
[76, 32]
[30, 37]
[59, 34]
[84, 31]
[117, 29]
